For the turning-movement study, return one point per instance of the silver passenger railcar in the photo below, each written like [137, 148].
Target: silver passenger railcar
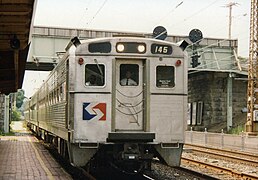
[119, 101]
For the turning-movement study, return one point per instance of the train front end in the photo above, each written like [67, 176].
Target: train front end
[129, 100]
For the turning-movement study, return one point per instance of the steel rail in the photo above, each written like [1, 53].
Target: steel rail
[253, 155]
[230, 172]
[230, 157]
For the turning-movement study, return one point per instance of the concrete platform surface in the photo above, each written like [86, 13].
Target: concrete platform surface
[23, 157]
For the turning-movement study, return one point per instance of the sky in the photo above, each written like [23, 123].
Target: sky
[179, 17]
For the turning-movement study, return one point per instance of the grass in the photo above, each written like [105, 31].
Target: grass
[237, 130]
[7, 134]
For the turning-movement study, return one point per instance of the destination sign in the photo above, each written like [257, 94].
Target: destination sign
[161, 49]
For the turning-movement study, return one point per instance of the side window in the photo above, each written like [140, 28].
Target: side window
[165, 76]
[94, 75]
[129, 74]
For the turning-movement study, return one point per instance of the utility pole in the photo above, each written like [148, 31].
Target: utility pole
[230, 75]
[252, 88]
[230, 5]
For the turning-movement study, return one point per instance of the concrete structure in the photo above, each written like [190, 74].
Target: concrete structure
[4, 113]
[7, 114]
[216, 98]
[23, 157]
[240, 142]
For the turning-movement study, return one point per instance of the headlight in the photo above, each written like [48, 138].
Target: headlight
[120, 47]
[141, 48]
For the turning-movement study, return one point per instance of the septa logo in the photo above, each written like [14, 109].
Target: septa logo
[94, 111]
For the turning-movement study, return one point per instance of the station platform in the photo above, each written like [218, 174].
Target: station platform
[22, 156]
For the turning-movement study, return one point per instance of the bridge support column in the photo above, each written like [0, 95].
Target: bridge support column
[6, 114]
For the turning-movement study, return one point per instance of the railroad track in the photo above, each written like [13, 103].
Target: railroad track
[222, 172]
[161, 171]
[75, 172]
[224, 164]
[242, 154]
[81, 174]
[181, 173]
[239, 157]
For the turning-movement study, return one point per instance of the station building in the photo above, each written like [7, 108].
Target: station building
[217, 88]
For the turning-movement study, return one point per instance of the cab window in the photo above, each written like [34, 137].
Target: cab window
[94, 75]
[129, 74]
[165, 77]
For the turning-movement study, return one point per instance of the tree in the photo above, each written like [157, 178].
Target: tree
[19, 98]
[16, 115]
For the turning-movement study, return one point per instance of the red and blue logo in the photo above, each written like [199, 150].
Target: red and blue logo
[94, 111]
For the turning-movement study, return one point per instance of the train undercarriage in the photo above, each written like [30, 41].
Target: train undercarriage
[126, 157]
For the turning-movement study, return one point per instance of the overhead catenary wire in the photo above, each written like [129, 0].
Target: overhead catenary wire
[218, 42]
[215, 32]
[175, 7]
[227, 57]
[97, 12]
[170, 12]
[195, 13]
[203, 65]
[87, 7]
[221, 41]
[179, 4]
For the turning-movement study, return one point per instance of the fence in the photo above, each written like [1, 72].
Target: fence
[241, 142]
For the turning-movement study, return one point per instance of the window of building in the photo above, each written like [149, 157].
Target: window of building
[57, 95]
[50, 98]
[94, 75]
[194, 113]
[129, 74]
[165, 76]
[199, 112]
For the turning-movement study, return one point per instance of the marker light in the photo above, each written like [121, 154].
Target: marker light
[178, 62]
[120, 47]
[141, 48]
[80, 61]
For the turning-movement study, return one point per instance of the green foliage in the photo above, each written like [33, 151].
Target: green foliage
[7, 134]
[16, 115]
[237, 130]
[19, 98]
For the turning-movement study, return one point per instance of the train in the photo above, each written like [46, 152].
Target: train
[115, 102]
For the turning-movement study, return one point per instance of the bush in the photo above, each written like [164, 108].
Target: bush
[16, 115]
[237, 130]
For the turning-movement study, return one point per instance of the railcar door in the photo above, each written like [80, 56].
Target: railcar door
[129, 95]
